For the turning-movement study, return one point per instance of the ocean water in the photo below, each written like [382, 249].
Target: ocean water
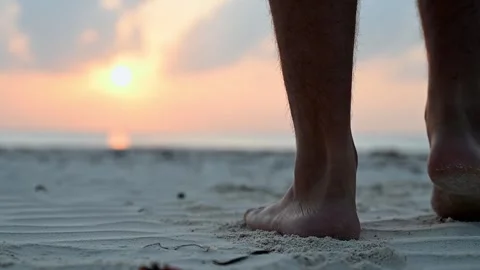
[410, 143]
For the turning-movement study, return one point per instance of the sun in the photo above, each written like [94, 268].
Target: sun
[118, 140]
[121, 76]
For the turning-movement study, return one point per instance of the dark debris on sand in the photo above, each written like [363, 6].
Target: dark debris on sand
[181, 195]
[241, 258]
[40, 188]
[155, 266]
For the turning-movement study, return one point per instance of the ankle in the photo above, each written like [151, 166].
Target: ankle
[453, 105]
[332, 171]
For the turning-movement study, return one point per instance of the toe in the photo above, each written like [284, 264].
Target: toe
[252, 211]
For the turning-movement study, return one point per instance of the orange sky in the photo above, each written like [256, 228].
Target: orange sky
[246, 96]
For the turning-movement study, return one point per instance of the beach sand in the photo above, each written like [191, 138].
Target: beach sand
[66, 209]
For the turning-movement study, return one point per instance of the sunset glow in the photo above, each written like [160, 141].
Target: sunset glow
[121, 76]
[118, 141]
[188, 67]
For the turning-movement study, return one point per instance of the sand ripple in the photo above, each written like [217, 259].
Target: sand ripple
[95, 212]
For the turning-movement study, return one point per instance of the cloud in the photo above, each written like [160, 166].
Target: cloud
[249, 96]
[161, 22]
[390, 92]
[18, 45]
[237, 26]
[387, 28]
[416, 66]
[241, 92]
[232, 30]
[111, 4]
[156, 28]
[54, 40]
[88, 37]
[14, 41]
[201, 35]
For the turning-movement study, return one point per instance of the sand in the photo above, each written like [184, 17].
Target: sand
[98, 209]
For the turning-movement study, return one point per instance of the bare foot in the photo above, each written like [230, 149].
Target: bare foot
[454, 167]
[320, 208]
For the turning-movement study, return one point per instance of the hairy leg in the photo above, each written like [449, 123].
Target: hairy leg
[316, 45]
[452, 38]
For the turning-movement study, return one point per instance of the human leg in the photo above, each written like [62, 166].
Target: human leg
[316, 45]
[452, 38]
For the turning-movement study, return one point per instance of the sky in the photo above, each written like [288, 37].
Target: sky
[188, 67]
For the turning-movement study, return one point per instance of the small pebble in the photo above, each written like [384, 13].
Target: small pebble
[39, 188]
